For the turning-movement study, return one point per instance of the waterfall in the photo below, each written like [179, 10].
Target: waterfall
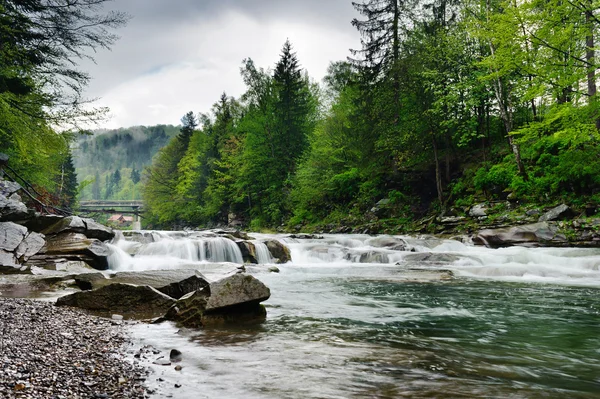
[262, 252]
[221, 249]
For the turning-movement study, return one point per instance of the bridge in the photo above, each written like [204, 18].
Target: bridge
[111, 206]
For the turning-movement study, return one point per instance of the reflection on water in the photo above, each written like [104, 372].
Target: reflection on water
[514, 323]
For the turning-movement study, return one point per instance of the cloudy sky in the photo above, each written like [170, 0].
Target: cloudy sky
[176, 56]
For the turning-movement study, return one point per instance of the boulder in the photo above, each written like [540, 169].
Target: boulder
[179, 289]
[11, 235]
[368, 257]
[232, 300]
[248, 251]
[479, 210]
[561, 212]
[69, 224]
[9, 264]
[431, 258]
[8, 188]
[280, 252]
[530, 235]
[97, 230]
[235, 290]
[12, 209]
[30, 246]
[127, 299]
[72, 244]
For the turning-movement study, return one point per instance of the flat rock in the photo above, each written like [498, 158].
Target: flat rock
[235, 290]
[530, 235]
[393, 243]
[73, 224]
[67, 244]
[97, 230]
[127, 299]
[9, 264]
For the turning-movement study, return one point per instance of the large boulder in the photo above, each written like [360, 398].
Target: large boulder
[180, 288]
[231, 300]
[235, 290]
[389, 242]
[530, 235]
[97, 230]
[30, 246]
[74, 244]
[9, 264]
[278, 251]
[126, 299]
[11, 235]
[561, 212]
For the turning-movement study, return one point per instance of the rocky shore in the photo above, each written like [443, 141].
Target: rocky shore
[52, 352]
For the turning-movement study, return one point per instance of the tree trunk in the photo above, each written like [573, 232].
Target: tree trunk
[590, 57]
[438, 175]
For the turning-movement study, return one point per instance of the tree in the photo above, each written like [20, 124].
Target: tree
[189, 124]
[96, 187]
[135, 176]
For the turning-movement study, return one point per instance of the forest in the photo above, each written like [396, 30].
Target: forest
[446, 104]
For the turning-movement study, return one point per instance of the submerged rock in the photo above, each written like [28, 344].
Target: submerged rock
[119, 298]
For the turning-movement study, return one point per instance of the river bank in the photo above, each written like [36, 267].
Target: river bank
[52, 352]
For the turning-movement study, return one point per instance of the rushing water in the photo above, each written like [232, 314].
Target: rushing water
[512, 323]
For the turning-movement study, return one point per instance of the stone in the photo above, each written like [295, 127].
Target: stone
[532, 212]
[561, 212]
[280, 252]
[373, 257]
[97, 230]
[8, 188]
[72, 224]
[67, 244]
[30, 246]
[274, 269]
[179, 289]
[232, 300]
[530, 235]
[451, 219]
[235, 290]
[11, 235]
[393, 243]
[9, 264]
[11, 209]
[126, 299]
[248, 250]
[479, 210]
[175, 356]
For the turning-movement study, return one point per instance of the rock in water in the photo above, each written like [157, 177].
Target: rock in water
[232, 300]
[126, 299]
[179, 289]
[175, 356]
[235, 290]
[279, 251]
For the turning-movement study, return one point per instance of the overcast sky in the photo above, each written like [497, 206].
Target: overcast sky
[176, 56]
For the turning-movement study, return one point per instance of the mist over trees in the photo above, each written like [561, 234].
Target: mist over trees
[446, 103]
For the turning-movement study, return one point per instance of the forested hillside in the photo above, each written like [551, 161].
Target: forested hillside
[109, 163]
[445, 104]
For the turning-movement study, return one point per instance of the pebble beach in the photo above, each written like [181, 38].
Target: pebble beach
[63, 353]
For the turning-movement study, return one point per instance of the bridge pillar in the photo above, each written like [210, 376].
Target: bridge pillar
[137, 224]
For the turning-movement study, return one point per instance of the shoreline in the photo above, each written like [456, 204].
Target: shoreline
[57, 352]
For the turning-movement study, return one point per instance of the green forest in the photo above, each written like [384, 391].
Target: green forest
[446, 104]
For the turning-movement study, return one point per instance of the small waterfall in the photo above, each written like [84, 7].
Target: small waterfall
[118, 259]
[221, 249]
[262, 252]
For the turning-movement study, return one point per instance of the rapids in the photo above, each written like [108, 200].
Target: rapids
[352, 317]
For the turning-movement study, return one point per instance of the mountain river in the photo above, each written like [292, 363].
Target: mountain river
[358, 316]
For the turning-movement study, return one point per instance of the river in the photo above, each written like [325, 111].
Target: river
[352, 316]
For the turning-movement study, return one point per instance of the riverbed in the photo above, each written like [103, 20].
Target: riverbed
[356, 317]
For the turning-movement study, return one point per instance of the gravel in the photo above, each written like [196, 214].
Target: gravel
[63, 353]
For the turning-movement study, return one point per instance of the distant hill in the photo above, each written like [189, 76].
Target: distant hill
[110, 162]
